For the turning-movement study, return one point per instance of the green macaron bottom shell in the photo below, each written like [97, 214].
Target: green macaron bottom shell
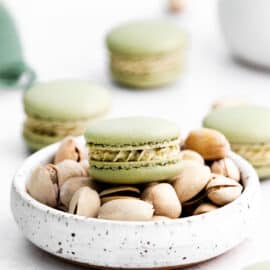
[263, 172]
[148, 80]
[136, 175]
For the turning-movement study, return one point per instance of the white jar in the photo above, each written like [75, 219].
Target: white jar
[246, 28]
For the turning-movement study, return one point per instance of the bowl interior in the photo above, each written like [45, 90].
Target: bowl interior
[249, 179]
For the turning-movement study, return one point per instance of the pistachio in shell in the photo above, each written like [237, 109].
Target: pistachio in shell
[204, 208]
[192, 156]
[226, 167]
[72, 185]
[160, 218]
[164, 200]
[191, 181]
[119, 192]
[85, 202]
[210, 143]
[222, 190]
[42, 185]
[69, 149]
[67, 169]
[126, 210]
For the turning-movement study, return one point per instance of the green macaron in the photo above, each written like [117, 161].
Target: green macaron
[146, 53]
[60, 108]
[133, 150]
[247, 129]
[259, 266]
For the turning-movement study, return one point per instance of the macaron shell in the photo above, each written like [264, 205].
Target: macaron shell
[259, 266]
[143, 38]
[131, 131]
[241, 124]
[136, 175]
[66, 100]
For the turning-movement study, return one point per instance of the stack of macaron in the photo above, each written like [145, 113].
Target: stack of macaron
[146, 53]
[133, 150]
[247, 129]
[60, 108]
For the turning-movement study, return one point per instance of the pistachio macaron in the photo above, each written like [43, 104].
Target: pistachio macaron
[247, 130]
[259, 266]
[57, 109]
[133, 150]
[146, 53]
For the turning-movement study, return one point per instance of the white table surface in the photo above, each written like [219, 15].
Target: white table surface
[65, 39]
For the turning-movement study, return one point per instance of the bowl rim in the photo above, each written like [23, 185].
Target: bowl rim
[251, 186]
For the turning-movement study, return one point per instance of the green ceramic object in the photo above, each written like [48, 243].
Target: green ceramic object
[12, 65]
[248, 132]
[146, 53]
[60, 108]
[133, 150]
[259, 266]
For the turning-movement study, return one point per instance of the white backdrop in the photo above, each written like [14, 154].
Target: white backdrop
[65, 39]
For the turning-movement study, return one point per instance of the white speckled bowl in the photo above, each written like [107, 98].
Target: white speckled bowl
[118, 244]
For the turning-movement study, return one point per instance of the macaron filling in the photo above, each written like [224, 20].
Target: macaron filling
[145, 65]
[55, 128]
[258, 154]
[144, 155]
[165, 153]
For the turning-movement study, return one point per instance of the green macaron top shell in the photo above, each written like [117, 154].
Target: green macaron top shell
[259, 266]
[131, 131]
[145, 38]
[66, 100]
[241, 124]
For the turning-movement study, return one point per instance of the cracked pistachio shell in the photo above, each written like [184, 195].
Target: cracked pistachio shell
[192, 156]
[67, 169]
[116, 197]
[85, 202]
[126, 210]
[222, 190]
[119, 192]
[164, 200]
[69, 149]
[204, 208]
[72, 185]
[211, 144]
[85, 164]
[226, 167]
[42, 185]
[159, 218]
[191, 181]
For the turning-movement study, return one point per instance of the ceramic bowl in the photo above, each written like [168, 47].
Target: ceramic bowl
[136, 245]
[245, 25]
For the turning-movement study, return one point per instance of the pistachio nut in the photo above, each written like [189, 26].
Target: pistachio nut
[222, 190]
[126, 210]
[191, 181]
[119, 192]
[85, 202]
[211, 144]
[72, 185]
[164, 199]
[69, 149]
[192, 156]
[159, 218]
[226, 167]
[204, 208]
[42, 185]
[67, 169]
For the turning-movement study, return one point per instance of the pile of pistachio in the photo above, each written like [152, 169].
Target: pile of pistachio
[209, 180]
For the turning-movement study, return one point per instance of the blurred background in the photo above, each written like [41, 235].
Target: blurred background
[65, 39]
